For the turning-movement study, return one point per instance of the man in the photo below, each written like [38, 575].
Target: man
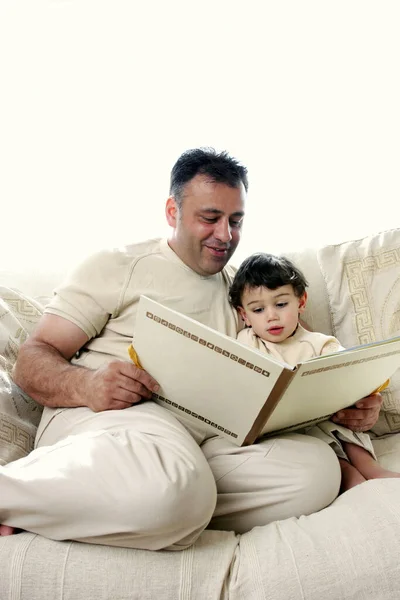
[112, 469]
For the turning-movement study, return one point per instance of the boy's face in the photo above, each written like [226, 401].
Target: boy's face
[273, 314]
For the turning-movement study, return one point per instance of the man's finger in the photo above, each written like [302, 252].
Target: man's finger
[374, 401]
[127, 396]
[140, 375]
[133, 386]
[352, 414]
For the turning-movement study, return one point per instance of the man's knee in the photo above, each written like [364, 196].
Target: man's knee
[170, 505]
[184, 502]
[319, 476]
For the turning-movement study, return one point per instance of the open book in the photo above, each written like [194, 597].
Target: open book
[242, 394]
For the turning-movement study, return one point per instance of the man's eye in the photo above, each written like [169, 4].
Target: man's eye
[209, 219]
[236, 224]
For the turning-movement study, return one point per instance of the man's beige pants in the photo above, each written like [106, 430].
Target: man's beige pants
[137, 478]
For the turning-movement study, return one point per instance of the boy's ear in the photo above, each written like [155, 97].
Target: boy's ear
[171, 211]
[302, 303]
[242, 313]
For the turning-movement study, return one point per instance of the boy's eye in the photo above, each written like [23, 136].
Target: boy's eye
[281, 304]
[258, 310]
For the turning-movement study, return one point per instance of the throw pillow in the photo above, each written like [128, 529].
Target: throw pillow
[19, 414]
[363, 284]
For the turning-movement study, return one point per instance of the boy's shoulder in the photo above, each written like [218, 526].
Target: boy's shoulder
[323, 343]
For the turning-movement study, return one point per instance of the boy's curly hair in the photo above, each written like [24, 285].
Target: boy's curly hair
[266, 270]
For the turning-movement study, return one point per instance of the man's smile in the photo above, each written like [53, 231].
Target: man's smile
[217, 251]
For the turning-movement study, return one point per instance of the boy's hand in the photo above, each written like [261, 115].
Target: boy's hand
[363, 416]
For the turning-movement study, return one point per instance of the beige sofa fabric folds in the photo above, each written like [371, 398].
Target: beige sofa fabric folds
[348, 551]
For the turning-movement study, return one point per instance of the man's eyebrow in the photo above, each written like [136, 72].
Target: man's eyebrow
[215, 211]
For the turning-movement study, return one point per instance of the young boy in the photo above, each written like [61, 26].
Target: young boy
[269, 293]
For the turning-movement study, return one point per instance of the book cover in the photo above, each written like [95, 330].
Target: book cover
[240, 393]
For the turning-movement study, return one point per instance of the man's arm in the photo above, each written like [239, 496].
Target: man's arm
[44, 372]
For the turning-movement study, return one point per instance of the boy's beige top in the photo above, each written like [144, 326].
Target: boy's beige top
[101, 297]
[300, 346]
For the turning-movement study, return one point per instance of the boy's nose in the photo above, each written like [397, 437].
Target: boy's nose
[271, 314]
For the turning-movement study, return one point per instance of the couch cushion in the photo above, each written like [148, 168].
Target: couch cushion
[34, 568]
[387, 450]
[350, 550]
[33, 281]
[363, 284]
[317, 313]
[19, 414]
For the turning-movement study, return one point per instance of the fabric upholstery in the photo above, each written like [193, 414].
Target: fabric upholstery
[349, 551]
[363, 285]
[19, 414]
[34, 568]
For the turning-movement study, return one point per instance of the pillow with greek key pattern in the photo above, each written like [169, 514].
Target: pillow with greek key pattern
[19, 414]
[363, 285]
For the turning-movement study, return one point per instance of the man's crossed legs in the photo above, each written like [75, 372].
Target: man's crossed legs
[137, 478]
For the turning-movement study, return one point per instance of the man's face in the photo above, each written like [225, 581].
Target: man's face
[207, 228]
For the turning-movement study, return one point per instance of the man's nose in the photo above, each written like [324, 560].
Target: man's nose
[223, 231]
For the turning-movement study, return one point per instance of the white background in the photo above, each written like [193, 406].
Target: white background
[98, 99]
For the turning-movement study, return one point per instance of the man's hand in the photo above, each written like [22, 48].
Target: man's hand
[117, 385]
[363, 416]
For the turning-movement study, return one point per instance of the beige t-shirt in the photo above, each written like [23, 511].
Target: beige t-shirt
[101, 296]
[301, 346]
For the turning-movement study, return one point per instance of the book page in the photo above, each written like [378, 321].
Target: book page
[204, 375]
[326, 384]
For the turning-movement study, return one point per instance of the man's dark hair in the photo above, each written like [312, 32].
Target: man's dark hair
[218, 167]
[266, 270]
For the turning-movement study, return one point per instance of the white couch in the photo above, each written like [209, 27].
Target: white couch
[350, 550]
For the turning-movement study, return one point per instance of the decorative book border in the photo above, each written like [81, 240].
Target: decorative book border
[195, 415]
[206, 344]
[348, 364]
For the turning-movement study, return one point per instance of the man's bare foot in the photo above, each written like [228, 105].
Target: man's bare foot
[350, 476]
[6, 530]
[365, 463]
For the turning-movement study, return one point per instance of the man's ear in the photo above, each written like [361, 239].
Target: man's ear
[171, 211]
[242, 313]
[302, 303]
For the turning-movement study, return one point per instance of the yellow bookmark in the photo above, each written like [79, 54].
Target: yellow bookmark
[134, 357]
[380, 388]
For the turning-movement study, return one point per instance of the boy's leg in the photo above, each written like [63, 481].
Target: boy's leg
[362, 460]
[286, 476]
[350, 476]
[6, 530]
[141, 481]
